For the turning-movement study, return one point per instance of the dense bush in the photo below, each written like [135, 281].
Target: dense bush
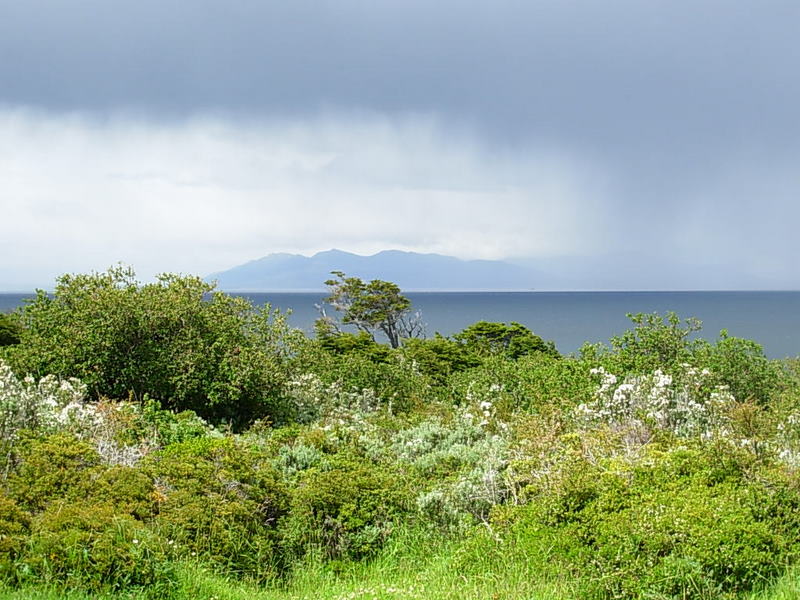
[396, 381]
[94, 547]
[9, 330]
[216, 500]
[176, 340]
[345, 510]
[742, 366]
[511, 341]
[680, 524]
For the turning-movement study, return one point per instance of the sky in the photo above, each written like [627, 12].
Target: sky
[636, 143]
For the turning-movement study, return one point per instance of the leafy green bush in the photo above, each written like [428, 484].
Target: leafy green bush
[655, 342]
[95, 548]
[439, 357]
[175, 340]
[14, 527]
[168, 427]
[218, 501]
[9, 330]
[686, 523]
[533, 383]
[343, 342]
[396, 382]
[742, 366]
[345, 510]
[51, 468]
[511, 341]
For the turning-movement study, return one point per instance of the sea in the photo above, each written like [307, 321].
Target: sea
[572, 318]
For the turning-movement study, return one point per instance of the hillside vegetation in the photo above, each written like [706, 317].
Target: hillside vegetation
[169, 441]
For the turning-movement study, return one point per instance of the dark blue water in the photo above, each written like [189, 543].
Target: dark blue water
[572, 318]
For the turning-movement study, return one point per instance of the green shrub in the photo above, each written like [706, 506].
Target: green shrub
[396, 382]
[345, 511]
[217, 500]
[9, 330]
[51, 468]
[168, 427]
[742, 366]
[533, 383]
[93, 547]
[342, 342]
[655, 342]
[688, 523]
[439, 357]
[14, 528]
[512, 341]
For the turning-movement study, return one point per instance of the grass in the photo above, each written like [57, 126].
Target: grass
[411, 567]
[407, 569]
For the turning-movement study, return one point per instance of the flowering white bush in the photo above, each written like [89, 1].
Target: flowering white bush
[658, 401]
[788, 440]
[296, 458]
[54, 405]
[314, 400]
[481, 406]
[49, 404]
[476, 444]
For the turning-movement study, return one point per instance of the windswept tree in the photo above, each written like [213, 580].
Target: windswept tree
[370, 307]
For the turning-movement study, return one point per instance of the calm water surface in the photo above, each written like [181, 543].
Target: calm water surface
[572, 318]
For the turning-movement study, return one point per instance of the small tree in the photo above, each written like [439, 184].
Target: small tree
[370, 307]
[656, 342]
[512, 340]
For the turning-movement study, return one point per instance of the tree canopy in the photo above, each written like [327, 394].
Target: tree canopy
[371, 307]
[513, 340]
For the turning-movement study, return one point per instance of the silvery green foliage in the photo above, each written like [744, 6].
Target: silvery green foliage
[471, 496]
[658, 401]
[332, 403]
[293, 459]
[476, 447]
[47, 405]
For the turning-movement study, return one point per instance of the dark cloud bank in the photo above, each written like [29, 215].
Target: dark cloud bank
[682, 116]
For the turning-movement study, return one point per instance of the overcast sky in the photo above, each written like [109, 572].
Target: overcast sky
[194, 136]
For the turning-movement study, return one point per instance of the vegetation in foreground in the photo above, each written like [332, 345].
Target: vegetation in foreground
[169, 441]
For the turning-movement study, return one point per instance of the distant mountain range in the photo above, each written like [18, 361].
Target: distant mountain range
[434, 272]
[410, 270]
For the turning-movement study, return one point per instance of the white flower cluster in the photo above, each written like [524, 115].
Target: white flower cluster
[332, 403]
[658, 401]
[788, 440]
[481, 407]
[52, 405]
[49, 404]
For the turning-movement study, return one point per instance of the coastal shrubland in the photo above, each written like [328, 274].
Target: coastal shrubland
[168, 441]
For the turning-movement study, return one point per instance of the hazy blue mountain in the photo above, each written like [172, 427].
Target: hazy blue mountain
[409, 270]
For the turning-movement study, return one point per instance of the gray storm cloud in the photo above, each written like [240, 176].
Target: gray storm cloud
[207, 194]
[191, 136]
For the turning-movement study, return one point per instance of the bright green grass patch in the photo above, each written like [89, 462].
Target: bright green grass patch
[413, 566]
[381, 581]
